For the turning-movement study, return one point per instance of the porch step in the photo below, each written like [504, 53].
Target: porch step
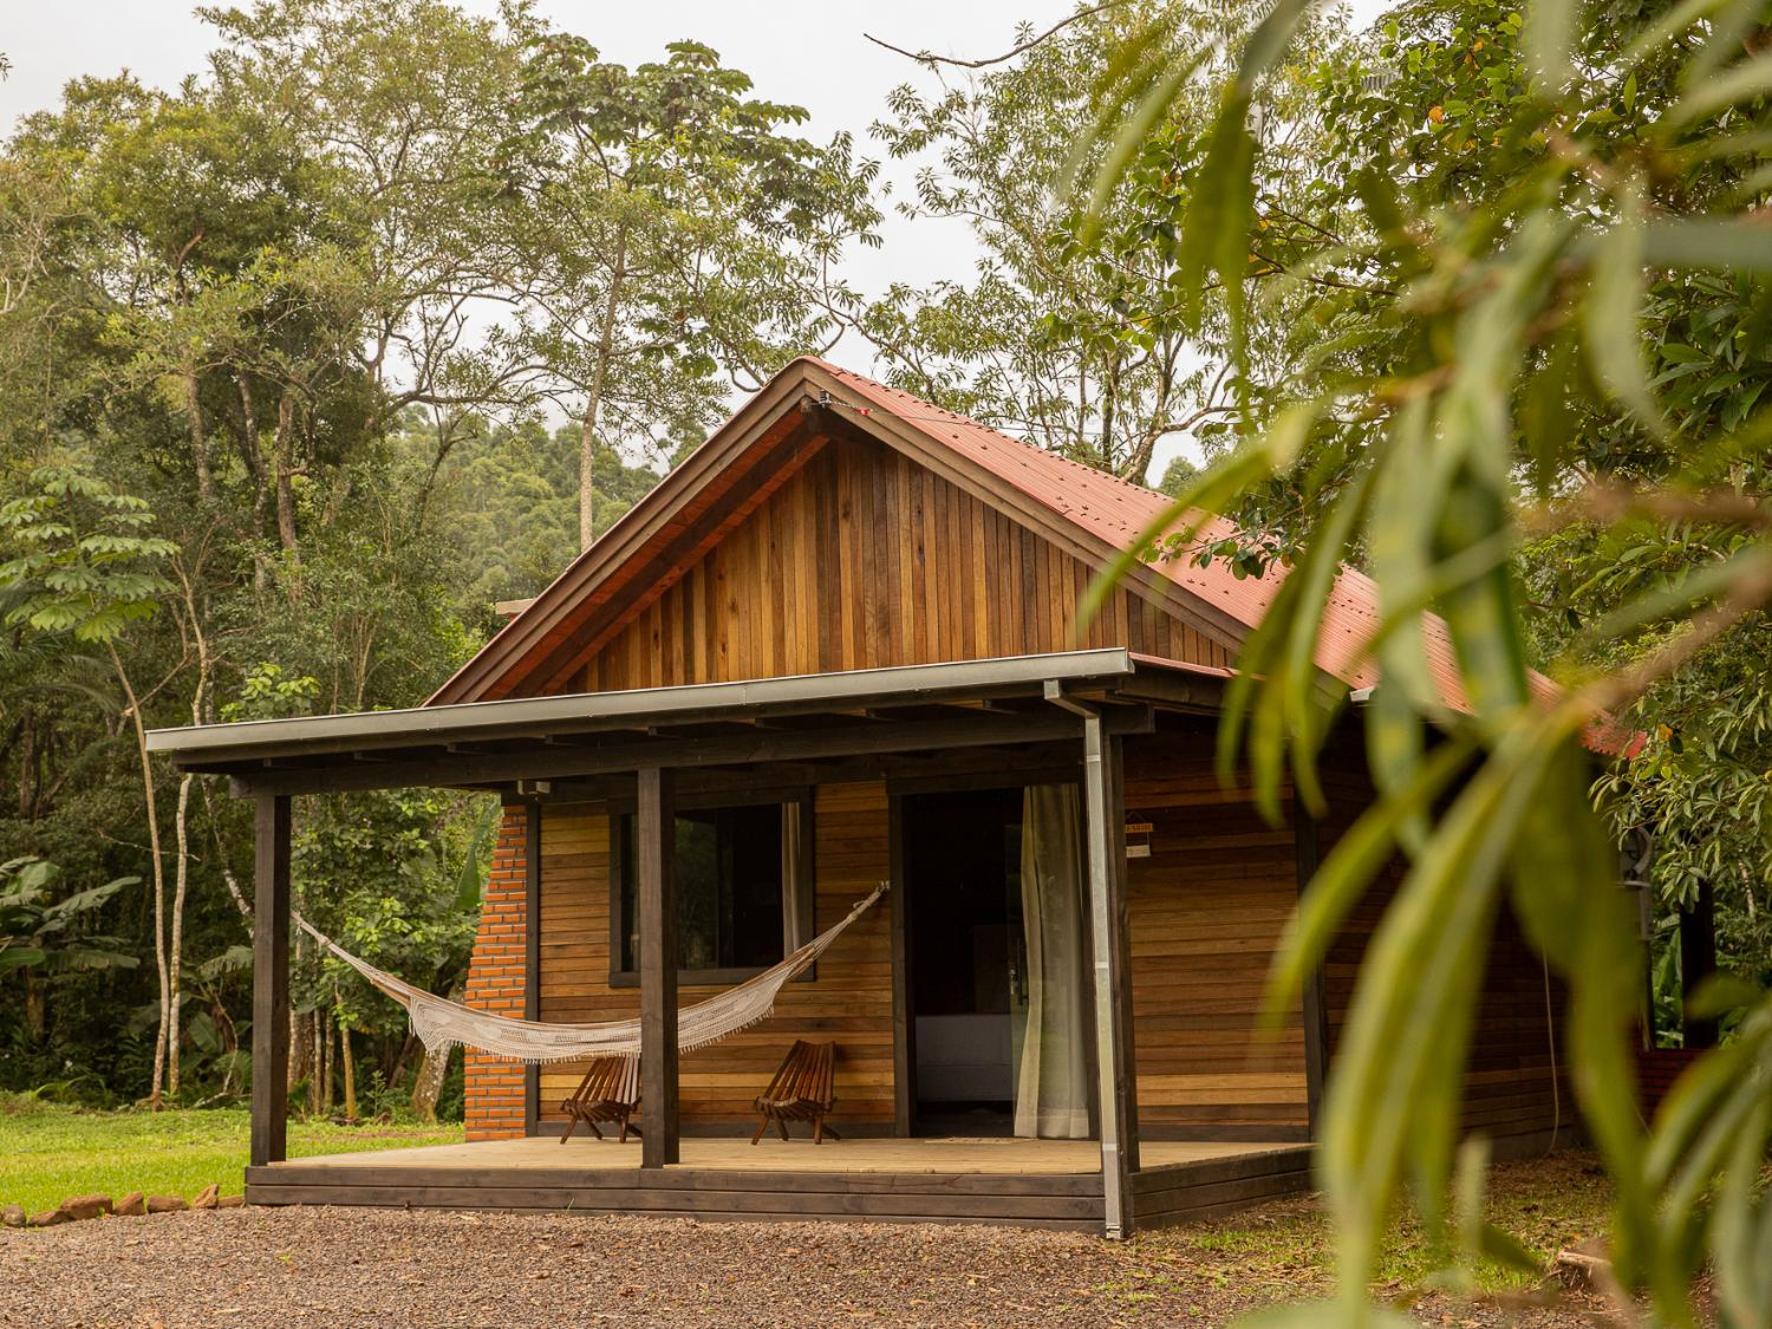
[1211, 1188]
[1059, 1201]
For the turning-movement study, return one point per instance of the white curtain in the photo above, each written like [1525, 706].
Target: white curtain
[1052, 1088]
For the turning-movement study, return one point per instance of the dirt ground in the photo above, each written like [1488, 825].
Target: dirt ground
[343, 1267]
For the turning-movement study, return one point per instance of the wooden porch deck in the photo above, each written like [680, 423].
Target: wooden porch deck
[1037, 1183]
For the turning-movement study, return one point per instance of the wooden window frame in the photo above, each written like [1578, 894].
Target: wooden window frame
[799, 902]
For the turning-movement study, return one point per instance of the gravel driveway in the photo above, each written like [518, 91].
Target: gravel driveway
[394, 1268]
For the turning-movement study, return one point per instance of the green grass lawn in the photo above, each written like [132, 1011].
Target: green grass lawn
[1285, 1249]
[49, 1152]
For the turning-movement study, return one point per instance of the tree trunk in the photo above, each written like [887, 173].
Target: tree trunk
[229, 880]
[320, 1083]
[428, 1087]
[249, 448]
[35, 1010]
[174, 957]
[301, 1048]
[255, 467]
[393, 1070]
[181, 826]
[285, 468]
[159, 876]
[587, 434]
[233, 884]
[27, 760]
[587, 484]
[349, 1065]
[194, 419]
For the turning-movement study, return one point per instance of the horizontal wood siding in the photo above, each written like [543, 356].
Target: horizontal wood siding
[1207, 909]
[864, 559]
[1212, 1188]
[849, 1002]
[1510, 1095]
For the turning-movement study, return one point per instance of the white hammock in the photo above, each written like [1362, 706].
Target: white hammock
[440, 1024]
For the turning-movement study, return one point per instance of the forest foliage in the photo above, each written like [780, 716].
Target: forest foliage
[304, 366]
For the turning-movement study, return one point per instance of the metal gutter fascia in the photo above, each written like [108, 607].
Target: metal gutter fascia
[463, 721]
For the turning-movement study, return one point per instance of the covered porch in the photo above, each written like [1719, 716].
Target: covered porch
[1022, 719]
[1033, 1183]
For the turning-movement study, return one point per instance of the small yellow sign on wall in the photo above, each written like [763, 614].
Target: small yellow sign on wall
[1138, 839]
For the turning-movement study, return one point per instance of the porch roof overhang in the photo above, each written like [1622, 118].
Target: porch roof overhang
[862, 712]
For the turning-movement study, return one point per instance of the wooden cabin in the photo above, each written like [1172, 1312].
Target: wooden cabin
[837, 646]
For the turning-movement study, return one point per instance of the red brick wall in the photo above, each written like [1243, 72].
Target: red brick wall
[1657, 1069]
[494, 1107]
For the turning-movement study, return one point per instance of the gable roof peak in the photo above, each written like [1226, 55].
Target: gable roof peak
[1101, 514]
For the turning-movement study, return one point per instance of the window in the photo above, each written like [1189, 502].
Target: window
[743, 886]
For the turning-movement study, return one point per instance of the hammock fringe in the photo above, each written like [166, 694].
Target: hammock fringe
[441, 1024]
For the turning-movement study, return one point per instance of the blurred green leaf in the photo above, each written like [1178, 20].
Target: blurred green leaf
[1549, 36]
[1612, 314]
[1700, 242]
[1751, 78]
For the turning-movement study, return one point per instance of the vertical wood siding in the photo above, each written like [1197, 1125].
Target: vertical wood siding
[865, 559]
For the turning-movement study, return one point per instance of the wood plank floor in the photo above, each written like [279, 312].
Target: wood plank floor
[1029, 1183]
[989, 1157]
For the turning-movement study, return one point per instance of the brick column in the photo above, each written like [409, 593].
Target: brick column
[494, 1108]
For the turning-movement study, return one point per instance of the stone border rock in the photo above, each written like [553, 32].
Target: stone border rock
[78, 1208]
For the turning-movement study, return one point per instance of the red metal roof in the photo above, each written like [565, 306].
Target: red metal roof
[1118, 512]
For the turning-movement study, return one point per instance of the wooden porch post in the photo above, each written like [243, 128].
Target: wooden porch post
[904, 1027]
[654, 844]
[1105, 815]
[1315, 1005]
[270, 982]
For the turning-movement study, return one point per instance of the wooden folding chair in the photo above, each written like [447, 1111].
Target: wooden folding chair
[609, 1092]
[801, 1091]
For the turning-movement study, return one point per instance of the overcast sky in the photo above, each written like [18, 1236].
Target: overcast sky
[814, 53]
[811, 53]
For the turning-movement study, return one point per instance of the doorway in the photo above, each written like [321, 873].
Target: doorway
[968, 983]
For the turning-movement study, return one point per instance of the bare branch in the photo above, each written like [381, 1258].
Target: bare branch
[1611, 503]
[930, 58]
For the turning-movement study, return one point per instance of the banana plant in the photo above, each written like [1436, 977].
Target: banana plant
[38, 931]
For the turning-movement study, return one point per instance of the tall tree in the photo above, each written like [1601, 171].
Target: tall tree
[677, 240]
[84, 564]
[398, 108]
[235, 300]
[1075, 332]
